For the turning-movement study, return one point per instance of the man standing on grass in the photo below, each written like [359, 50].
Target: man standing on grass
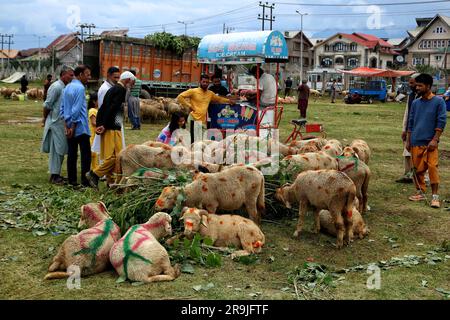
[407, 177]
[134, 112]
[333, 91]
[75, 114]
[426, 122]
[303, 96]
[109, 125]
[54, 141]
[199, 100]
[288, 86]
[112, 77]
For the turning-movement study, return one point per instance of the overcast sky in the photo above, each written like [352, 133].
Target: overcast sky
[28, 19]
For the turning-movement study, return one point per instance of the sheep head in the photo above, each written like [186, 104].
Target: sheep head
[281, 195]
[168, 199]
[192, 218]
[160, 224]
[93, 213]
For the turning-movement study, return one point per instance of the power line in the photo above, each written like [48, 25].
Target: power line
[361, 4]
[400, 13]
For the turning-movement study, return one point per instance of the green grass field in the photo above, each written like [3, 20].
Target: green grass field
[398, 227]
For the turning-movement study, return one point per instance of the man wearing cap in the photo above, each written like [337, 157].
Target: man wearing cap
[109, 125]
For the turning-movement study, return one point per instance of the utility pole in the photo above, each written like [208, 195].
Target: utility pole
[264, 17]
[84, 26]
[8, 42]
[39, 52]
[301, 43]
[185, 26]
[227, 29]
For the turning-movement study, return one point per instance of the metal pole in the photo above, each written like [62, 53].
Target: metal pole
[301, 43]
[2, 52]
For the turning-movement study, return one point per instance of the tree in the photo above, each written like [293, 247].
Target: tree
[168, 41]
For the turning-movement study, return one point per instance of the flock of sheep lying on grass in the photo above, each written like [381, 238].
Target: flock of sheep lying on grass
[13, 94]
[327, 177]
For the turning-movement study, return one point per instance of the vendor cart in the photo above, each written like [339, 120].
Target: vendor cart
[244, 48]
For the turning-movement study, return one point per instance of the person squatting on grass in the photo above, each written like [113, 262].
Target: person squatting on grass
[54, 141]
[426, 122]
[75, 113]
[109, 126]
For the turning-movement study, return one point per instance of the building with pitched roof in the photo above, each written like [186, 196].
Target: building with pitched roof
[430, 43]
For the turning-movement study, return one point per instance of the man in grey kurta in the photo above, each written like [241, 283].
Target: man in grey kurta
[54, 141]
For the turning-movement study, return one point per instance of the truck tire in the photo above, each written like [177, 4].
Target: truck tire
[145, 94]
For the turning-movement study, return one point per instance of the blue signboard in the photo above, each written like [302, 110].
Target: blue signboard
[225, 116]
[243, 47]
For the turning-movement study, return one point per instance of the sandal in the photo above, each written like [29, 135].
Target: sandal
[417, 197]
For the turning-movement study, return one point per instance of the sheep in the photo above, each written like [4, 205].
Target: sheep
[323, 189]
[7, 92]
[358, 148]
[360, 229]
[152, 110]
[224, 230]
[138, 256]
[360, 174]
[90, 248]
[298, 163]
[317, 142]
[333, 147]
[228, 190]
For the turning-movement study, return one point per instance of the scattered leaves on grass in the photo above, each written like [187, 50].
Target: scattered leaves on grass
[206, 287]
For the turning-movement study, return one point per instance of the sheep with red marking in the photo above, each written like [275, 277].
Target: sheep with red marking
[360, 229]
[224, 230]
[236, 187]
[333, 147]
[138, 256]
[360, 149]
[360, 174]
[323, 190]
[295, 164]
[89, 249]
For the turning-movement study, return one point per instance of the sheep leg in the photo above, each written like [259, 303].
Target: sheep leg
[301, 217]
[158, 278]
[348, 222]
[339, 224]
[250, 206]
[317, 221]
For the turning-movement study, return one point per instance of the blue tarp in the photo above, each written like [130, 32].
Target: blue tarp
[243, 48]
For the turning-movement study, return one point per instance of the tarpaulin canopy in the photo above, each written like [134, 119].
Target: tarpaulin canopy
[373, 72]
[243, 48]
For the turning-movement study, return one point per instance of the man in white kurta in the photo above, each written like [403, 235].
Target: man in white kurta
[54, 141]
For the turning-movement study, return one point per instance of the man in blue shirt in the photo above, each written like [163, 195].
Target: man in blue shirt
[426, 122]
[75, 114]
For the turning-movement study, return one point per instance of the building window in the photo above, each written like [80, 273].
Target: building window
[353, 47]
[418, 61]
[326, 62]
[327, 48]
[438, 58]
[340, 46]
[373, 62]
[352, 62]
[339, 60]
[297, 46]
[439, 30]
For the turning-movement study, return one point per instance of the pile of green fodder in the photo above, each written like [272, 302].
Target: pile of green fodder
[134, 203]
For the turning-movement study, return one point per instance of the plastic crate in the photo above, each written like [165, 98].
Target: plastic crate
[313, 127]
